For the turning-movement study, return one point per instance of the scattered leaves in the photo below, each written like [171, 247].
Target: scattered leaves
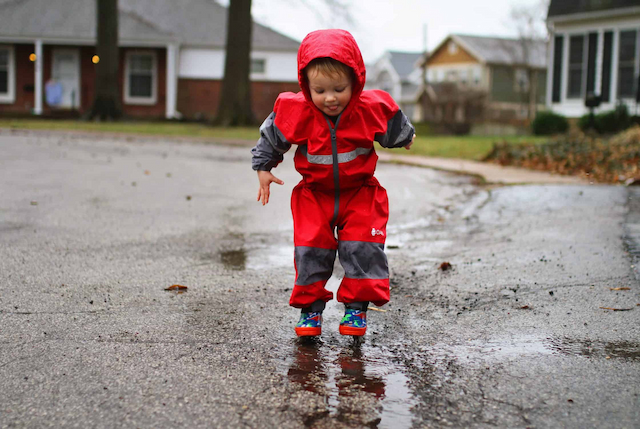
[445, 266]
[619, 288]
[616, 309]
[609, 160]
[177, 288]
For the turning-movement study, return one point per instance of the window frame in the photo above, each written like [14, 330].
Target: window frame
[256, 61]
[634, 83]
[10, 96]
[570, 67]
[136, 100]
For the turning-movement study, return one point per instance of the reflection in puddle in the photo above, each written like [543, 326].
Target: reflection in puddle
[360, 383]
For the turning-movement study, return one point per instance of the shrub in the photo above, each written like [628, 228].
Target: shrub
[608, 122]
[547, 123]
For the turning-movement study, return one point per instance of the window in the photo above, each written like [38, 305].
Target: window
[626, 64]
[477, 76]
[6, 75]
[521, 81]
[258, 65]
[141, 71]
[576, 66]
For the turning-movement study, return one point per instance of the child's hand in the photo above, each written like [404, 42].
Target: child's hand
[407, 147]
[265, 178]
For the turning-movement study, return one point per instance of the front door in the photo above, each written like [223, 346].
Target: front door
[66, 71]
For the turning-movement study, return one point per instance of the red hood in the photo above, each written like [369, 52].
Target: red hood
[339, 45]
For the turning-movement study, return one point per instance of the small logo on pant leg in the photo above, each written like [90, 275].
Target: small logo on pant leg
[375, 232]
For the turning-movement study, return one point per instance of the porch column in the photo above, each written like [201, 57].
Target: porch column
[172, 81]
[37, 110]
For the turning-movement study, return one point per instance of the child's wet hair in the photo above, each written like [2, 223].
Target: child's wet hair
[328, 66]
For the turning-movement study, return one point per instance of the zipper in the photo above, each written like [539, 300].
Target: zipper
[336, 170]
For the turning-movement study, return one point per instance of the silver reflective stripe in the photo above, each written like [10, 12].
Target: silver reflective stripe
[328, 159]
[350, 156]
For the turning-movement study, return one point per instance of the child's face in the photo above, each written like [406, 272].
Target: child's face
[330, 93]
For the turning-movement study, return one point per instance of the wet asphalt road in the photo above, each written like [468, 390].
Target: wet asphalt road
[92, 230]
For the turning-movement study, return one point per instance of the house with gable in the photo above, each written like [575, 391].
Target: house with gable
[478, 80]
[171, 58]
[594, 52]
[398, 74]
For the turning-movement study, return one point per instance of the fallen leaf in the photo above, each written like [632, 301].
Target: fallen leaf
[619, 288]
[176, 287]
[525, 307]
[570, 400]
[377, 309]
[616, 309]
[445, 266]
[147, 172]
[188, 197]
[34, 203]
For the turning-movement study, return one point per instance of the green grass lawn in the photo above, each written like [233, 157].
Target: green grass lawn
[468, 147]
[134, 127]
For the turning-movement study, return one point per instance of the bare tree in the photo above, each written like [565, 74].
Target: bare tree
[106, 103]
[235, 100]
[529, 22]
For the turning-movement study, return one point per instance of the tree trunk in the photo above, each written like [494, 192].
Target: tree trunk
[106, 104]
[235, 100]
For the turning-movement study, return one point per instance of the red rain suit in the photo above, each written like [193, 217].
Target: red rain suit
[338, 195]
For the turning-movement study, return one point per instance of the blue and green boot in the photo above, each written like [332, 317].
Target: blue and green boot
[310, 324]
[354, 322]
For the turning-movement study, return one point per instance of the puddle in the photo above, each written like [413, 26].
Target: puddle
[504, 349]
[359, 382]
[614, 349]
[234, 259]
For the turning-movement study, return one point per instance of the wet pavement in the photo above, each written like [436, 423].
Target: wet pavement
[536, 323]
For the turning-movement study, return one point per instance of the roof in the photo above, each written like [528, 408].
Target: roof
[496, 50]
[570, 7]
[195, 22]
[404, 62]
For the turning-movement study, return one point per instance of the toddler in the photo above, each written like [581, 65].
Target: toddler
[338, 206]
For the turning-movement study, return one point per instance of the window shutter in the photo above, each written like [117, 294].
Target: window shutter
[557, 68]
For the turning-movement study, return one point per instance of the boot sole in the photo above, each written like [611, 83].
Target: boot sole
[308, 332]
[349, 330]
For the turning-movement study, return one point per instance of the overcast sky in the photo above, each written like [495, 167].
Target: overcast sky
[381, 25]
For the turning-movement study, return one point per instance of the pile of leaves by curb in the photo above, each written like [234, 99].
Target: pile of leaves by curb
[608, 160]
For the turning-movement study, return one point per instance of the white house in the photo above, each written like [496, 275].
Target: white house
[172, 57]
[398, 74]
[594, 50]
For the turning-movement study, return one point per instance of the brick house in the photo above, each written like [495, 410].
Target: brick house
[171, 58]
[594, 50]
